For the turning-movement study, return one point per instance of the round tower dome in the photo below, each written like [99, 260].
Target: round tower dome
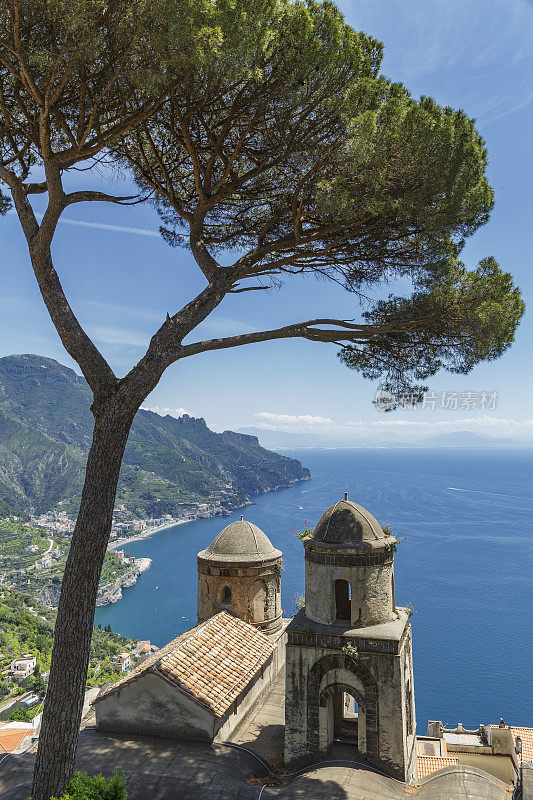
[347, 524]
[240, 572]
[240, 541]
[349, 568]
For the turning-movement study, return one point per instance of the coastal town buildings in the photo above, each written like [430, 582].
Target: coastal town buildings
[496, 749]
[122, 662]
[21, 668]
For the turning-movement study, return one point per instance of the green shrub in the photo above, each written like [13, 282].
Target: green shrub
[20, 714]
[95, 787]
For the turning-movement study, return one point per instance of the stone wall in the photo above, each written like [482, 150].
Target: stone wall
[151, 706]
[369, 575]
[253, 692]
[255, 592]
[379, 681]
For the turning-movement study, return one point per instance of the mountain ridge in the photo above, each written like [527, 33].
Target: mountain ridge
[169, 463]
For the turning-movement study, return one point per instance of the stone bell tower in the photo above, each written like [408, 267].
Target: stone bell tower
[240, 572]
[349, 657]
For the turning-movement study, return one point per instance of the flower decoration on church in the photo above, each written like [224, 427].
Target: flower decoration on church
[350, 649]
[299, 601]
[307, 531]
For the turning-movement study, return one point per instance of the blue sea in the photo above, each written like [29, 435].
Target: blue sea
[464, 565]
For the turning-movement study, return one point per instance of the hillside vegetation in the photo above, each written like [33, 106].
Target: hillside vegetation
[27, 627]
[169, 463]
[33, 560]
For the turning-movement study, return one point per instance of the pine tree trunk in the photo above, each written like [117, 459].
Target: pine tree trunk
[72, 639]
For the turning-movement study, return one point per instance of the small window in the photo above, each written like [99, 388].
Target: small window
[343, 601]
[226, 594]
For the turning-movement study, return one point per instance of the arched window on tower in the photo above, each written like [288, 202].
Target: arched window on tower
[343, 601]
[226, 594]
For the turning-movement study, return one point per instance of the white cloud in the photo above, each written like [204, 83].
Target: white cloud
[289, 422]
[164, 410]
[115, 309]
[119, 336]
[223, 326]
[482, 46]
[392, 428]
[103, 226]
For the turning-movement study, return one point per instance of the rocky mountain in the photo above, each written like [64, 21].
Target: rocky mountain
[169, 463]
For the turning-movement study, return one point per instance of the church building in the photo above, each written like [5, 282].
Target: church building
[347, 653]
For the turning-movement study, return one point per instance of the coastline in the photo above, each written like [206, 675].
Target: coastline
[147, 533]
[142, 563]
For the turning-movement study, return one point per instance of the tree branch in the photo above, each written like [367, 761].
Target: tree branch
[346, 332]
[35, 188]
[90, 196]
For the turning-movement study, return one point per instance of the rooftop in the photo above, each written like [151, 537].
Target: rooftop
[241, 541]
[428, 764]
[350, 525]
[212, 662]
[12, 738]
[526, 734]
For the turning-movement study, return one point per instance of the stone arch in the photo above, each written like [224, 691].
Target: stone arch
[331, 715]
[369, 700]
[341, 687]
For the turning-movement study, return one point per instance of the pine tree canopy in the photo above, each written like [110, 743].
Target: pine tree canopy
[296, 155]
[271, 145]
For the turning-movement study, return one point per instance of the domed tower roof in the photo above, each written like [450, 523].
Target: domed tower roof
[347, 524]
[241, 541]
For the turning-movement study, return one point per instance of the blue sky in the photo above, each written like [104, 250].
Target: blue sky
[122, 279]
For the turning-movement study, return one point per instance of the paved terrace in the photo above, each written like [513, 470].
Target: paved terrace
[161, 769]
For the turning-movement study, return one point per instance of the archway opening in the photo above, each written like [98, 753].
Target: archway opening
[226, 594]
[342, 718]
[343, 601]
[345, 718]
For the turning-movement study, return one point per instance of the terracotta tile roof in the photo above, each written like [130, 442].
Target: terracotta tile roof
[12, 738]
[428, 764]
[526, 734]
[212, 663]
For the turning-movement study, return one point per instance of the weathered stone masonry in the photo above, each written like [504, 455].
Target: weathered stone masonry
[350, 642]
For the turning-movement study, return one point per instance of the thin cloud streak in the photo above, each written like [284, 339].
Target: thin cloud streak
[118, 336]
[103, 226]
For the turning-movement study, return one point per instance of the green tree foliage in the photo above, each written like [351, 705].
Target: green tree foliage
[303, 158]
[24, 631]
[21, 714]
[95, 787]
